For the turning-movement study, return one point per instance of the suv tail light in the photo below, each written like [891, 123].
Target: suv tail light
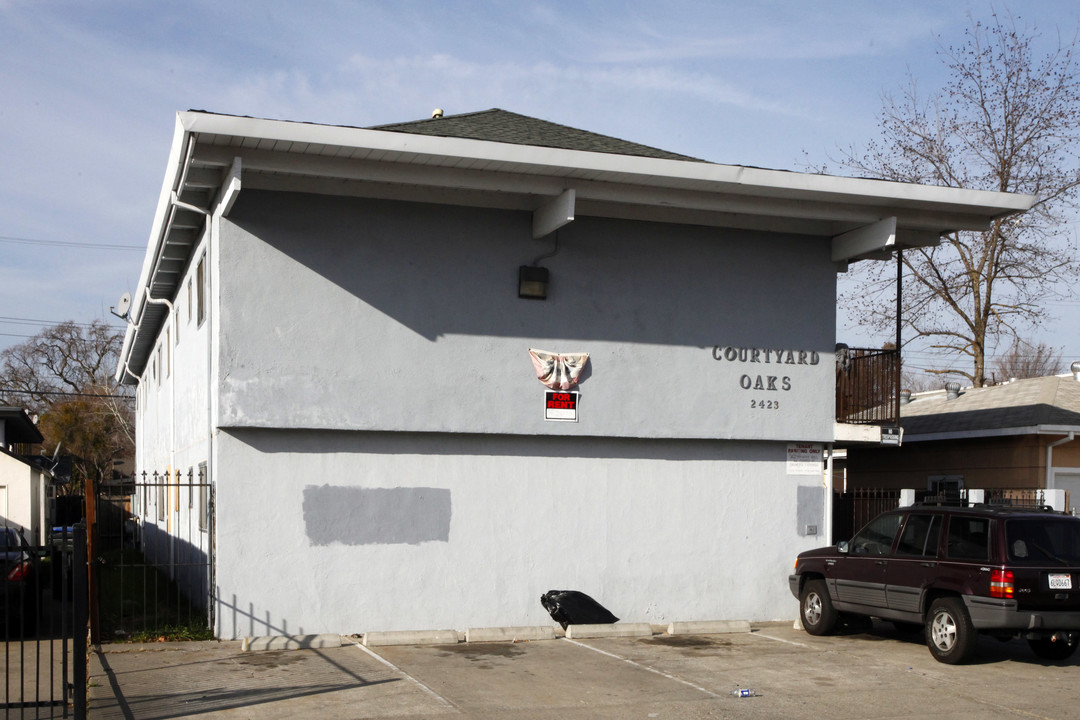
[1001, 584]
[20, 572]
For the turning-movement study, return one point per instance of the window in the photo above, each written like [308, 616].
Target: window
[1051, 541]
[877, 537]
[176, 333]
[968, 538]
[189, 300]
[204, 498]
[168, 352]
[160, 499]
[945, 485]
[920, 536]
[200, 290]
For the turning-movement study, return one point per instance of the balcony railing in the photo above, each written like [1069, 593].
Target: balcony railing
[867, 386]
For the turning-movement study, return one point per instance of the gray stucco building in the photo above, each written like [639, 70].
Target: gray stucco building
[328, 328]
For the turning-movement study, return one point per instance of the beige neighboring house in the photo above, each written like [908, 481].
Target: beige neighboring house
[22, 484]
[1022, 434]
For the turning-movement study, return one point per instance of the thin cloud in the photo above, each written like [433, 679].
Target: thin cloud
[547, 78]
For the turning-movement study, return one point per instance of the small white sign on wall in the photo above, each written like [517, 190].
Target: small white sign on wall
[805, 458]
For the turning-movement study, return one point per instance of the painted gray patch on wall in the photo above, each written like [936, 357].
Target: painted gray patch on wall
[376, 516]
[810, 510]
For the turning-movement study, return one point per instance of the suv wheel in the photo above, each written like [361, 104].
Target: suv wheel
[816, 609]
[1060, 649]
[949, 633]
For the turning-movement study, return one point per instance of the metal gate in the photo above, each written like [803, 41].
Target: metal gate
[44, 603]
[153, 551]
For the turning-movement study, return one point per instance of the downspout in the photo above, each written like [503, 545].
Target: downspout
[827, 525]
[1050, 457]
[156, 301]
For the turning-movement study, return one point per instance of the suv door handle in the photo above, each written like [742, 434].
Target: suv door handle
[880, 562]
[928, 564]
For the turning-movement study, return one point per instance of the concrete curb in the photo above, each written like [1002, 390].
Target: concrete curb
[575, 632]
[290, 642]
[179, 645]
[509, 634]
[411, 637]
[709, 627]
[489, 635]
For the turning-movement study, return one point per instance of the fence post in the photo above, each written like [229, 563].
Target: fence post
[80, 602]
[91, 556]
[1055, 498]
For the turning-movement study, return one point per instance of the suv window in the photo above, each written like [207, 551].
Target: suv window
[876, 538]
[968, 538]
[920, 537]
[1039, 542]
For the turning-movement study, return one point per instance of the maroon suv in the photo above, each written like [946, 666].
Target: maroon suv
[957, 572]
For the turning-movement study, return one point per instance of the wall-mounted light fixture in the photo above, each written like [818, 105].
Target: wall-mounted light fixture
[533, 282]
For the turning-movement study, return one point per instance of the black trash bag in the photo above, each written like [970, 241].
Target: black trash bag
[570, 607]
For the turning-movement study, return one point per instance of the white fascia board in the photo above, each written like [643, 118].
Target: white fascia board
[1058, 429]
[995, 432]
[633, 169]
[970, 434]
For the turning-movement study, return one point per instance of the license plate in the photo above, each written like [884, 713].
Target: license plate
[1060, 581]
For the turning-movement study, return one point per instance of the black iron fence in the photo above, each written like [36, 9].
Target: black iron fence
[1020, 496]
[853, 509]
[43, 591]
[154, 551]
[856, 507]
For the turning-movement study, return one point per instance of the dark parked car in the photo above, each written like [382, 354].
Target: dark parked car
[957, 572]
[18, 585]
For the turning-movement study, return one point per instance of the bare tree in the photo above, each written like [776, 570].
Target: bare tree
[1008, 122]
[1024, 360]
[64, 374]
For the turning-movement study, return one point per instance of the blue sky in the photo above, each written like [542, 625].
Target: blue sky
[90, 90]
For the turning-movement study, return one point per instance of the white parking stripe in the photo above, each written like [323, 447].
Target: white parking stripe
[628, 661]
[409, 677]
[770, 637]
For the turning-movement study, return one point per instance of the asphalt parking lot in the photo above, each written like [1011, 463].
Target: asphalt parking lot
[870, 671]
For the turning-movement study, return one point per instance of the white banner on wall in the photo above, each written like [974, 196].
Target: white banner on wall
[805, 458]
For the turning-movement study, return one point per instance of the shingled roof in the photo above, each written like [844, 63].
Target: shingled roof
[497, 125]
[1020, 406]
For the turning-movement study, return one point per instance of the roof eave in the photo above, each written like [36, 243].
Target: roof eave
[694, 188]
[427, 149]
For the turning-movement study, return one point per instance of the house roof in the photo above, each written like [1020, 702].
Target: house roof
[499, 159]
[18, 427]
[503, 126]
[1045, 405]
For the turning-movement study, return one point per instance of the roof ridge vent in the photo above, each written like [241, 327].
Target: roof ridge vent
[1075, 368]
[437, 113]
[952, 390]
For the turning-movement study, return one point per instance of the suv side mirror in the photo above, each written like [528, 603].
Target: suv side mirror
[842, 547]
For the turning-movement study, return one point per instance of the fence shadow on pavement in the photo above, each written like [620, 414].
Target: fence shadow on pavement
[160, 684]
